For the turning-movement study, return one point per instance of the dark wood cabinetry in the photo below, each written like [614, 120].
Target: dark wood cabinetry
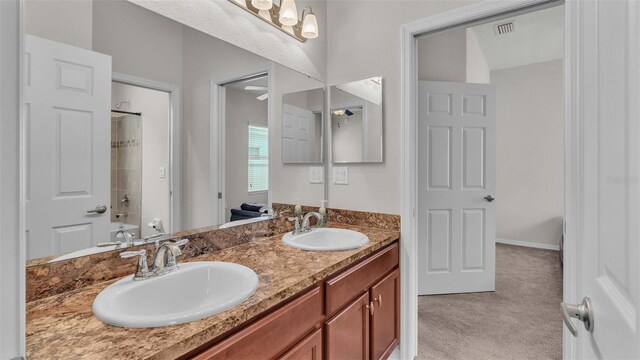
[351, 315]
[348, 332]
[385, 321]
[274, 333]
[308, 349]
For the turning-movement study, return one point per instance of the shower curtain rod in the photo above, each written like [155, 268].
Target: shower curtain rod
[126, 112]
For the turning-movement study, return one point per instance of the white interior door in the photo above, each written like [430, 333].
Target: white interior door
[298, 133]
[67, 110]
[456, 174]
[607, 200]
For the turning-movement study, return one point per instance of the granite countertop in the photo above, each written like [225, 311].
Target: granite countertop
[63, 326]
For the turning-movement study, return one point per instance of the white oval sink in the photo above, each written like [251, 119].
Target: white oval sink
[327, 239]
[195, 291]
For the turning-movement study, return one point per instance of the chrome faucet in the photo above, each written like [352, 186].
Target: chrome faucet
[164, 260]
[272, 213]
[296, 225]
[267, 210]
[305, 220]
[128, 237]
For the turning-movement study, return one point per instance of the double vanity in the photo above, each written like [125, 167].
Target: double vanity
[330, 293]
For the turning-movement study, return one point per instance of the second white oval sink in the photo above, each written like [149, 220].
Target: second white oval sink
[195, 291]
[327, 239]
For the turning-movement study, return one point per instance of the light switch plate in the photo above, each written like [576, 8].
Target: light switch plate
[316, 175]
[341, 175]
[163, 172]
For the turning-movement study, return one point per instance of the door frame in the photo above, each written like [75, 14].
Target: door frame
[175, 190]
[485, 9]
[217, 147]
[12, 186]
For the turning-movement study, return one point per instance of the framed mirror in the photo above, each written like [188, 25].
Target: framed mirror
[302, 126]
[357, 121]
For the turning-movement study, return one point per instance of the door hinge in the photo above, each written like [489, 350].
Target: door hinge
[219, 195]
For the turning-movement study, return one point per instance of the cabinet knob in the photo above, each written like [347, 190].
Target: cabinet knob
[370, 307]
[379, 299]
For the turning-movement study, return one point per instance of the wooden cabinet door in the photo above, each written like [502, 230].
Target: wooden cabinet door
[274, 333]
[347, 333]
[385, 322]
[310, 348]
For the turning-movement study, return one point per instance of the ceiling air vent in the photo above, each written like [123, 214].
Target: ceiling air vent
[505, 28]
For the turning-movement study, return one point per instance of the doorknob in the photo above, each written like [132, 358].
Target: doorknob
[582, 312]
[99, 209]
[489, 198]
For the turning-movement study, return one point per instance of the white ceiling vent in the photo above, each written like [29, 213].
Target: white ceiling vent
[505, 28]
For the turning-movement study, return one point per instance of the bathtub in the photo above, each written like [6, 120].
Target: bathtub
[115, 226]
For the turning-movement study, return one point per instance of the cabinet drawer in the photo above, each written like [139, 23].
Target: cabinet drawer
[308, 349]
[272, 334]
[344, 287]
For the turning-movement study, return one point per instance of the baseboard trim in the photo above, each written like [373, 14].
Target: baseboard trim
[528, 244]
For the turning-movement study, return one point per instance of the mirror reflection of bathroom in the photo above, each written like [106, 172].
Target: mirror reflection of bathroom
[356, 121]
[302, 126]
[246, 133]
[139, 155]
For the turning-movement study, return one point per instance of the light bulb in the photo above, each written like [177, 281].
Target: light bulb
[262, 4]
[310, 26]
[288, 13]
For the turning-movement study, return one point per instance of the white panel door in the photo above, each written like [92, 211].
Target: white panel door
[607, 155]
[68, 131]
[298, 134]
[456, 171]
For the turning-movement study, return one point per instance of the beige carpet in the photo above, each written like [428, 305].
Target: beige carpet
[520, 320]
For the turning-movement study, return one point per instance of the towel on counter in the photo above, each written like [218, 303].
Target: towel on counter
[251, 207]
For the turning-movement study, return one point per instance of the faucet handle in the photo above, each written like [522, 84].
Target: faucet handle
[296, 224]
[142, 271]
[128, 254]
[182, 242]
[173, 251]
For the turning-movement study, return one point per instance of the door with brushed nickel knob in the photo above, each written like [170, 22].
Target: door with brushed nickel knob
[602, 242]
[68, 162]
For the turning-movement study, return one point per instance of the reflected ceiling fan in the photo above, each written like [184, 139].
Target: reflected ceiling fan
[258, 88]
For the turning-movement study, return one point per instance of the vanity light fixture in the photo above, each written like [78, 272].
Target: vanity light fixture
[284, 17]
[262, 4]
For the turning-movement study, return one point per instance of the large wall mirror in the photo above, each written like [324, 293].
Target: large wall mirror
[356, 121]
[139, 126]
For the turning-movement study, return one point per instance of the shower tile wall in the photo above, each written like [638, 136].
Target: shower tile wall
[126, 168]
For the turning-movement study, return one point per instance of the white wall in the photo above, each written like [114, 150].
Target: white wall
[454, 56]
[477, 67]
[530, 152]
[347, 138]
[73, 23]
[356, 53]
[12, 293]
[241, 109]
[154, 106]
[140, 42]
[228, 22]
[443, 56]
